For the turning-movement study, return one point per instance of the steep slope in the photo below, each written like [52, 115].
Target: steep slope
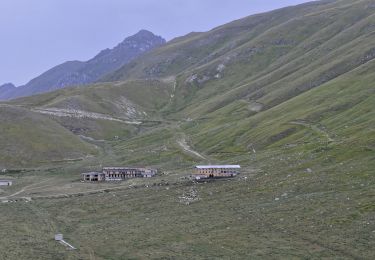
[81, 73]
[197, 49]
[263, 59]
[61, 125]
[29, 139]
[58, 77]
[339, 113]
[278, 73]
[103, 111]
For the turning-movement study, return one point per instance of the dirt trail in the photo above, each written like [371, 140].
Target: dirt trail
[28, 187]
[183, 144]
[315, 128]
[74, 113]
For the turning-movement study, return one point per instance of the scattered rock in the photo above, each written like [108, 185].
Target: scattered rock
[192, 78]
[220, 68]
[189, 197]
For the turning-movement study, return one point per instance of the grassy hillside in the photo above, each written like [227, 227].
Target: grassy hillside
[288, 94]
[63, 125]
[111, 99]
[29, 139]
[340, 109]
[104, 111]
[266, 59]
[197, 49]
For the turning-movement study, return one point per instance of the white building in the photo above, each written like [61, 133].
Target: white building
[119, 174]
[59, 237]
[6, 183]
[216, 171]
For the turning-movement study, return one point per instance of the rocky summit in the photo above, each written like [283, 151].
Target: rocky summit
[74, 73]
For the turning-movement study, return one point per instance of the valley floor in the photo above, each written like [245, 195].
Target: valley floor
[270, 211]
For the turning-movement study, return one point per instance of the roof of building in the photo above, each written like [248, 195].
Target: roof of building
[90, 173]
[127, 168]
[218, 167]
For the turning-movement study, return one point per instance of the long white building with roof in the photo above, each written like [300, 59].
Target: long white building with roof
[216, 171]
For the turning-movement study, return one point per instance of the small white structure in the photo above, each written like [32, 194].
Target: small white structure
[6, 183]
[59, 237]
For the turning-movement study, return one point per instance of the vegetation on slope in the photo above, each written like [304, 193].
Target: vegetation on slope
[28, 139]
[293, 103]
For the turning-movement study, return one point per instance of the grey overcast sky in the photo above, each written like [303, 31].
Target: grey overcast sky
[39, 34]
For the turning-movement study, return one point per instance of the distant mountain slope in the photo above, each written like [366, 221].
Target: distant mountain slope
[81, 73]
[196, 49]
[6, 90]
[264, 59]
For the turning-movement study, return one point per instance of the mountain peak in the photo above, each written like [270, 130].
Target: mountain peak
[144, 36]
[81, 73]
[6, 90]
[145, 32]
[7, 86]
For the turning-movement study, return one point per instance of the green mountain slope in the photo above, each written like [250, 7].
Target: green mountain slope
[288, 95]
[265, 59]
[197, 49]
[29, 139]
[218, 88]
[103, 111]
[61, 125]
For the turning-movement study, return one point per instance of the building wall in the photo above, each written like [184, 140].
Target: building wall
[93, 176]
[118, 174]
[126, 173]
[217, 172]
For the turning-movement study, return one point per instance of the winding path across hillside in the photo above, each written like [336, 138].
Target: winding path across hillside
[184, 145]
[315, 128]
[74, 113]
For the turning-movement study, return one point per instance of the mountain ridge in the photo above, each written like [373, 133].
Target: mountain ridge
[73, 73]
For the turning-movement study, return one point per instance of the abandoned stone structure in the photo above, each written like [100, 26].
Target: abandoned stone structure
[122, 173]
[93, 176]
[119, 174]
[216, 171]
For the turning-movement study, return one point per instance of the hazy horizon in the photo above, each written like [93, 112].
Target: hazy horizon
[41, 34]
